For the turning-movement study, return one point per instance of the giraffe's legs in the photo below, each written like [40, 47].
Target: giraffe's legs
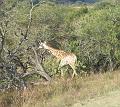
[62, 73]
[59, 69]
[72, 65]
[74, 71]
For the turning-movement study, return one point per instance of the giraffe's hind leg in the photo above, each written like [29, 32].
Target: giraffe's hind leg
[74, 71]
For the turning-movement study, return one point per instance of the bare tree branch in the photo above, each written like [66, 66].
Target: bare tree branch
[3, 32]
[39, 67]
[25, 35]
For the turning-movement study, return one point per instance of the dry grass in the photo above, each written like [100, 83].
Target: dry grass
[65, 92]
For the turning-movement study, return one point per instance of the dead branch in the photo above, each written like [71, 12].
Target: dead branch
[2, 38]
[39, 68]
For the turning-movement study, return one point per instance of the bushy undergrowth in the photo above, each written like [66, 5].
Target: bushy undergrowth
[63, 91]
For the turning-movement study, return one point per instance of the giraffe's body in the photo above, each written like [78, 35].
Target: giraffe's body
[65, 58]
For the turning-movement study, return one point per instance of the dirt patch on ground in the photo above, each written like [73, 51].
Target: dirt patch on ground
[112, 99]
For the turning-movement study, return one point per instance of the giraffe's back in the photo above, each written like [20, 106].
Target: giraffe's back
[60, 54]
[68, 57]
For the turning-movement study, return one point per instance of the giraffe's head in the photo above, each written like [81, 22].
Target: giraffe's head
[42, 45]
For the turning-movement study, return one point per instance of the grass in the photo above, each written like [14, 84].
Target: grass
[63, 92]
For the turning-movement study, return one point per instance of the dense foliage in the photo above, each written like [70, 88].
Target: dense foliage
[92, 32]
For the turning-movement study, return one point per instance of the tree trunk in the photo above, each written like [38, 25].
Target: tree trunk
[39, 68]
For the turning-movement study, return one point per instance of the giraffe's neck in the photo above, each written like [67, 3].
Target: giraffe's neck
[47, 47]
[51, 50]
[55, 52]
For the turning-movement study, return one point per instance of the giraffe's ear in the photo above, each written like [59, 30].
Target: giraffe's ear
[40, 45]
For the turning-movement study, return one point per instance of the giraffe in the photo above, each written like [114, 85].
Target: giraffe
[65, 58]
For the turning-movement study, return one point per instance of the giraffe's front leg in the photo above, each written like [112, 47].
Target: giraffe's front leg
[61, 70]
